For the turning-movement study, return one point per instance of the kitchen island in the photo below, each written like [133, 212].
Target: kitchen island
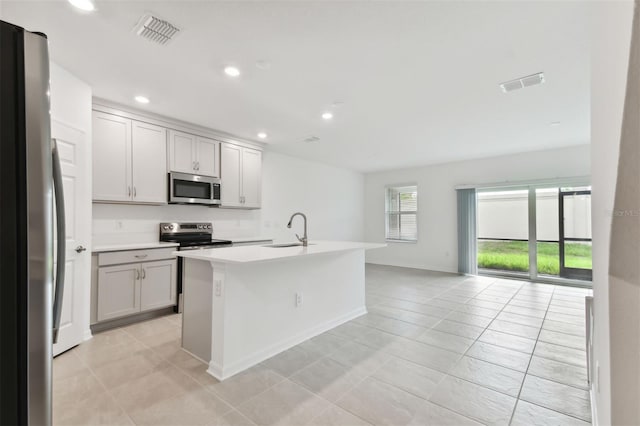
[243, 305]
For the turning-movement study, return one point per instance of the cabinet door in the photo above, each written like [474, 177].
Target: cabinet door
[149, 159]
[208, 157]
[230, 178]
[111, 157]
[251, 178]
[182, 154]
[118, 291]
[158, 284]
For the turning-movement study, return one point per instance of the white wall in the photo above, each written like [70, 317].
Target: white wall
[436, 248]
[609, 60]
[332, 198]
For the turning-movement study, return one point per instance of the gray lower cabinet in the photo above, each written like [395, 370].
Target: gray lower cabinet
[158, 285]
[130, 288]
[118, 291]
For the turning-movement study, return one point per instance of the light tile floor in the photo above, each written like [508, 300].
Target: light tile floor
[434, 349]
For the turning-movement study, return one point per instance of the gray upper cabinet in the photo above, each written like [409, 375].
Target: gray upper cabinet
[129, 160]
[241, 176]
[193, 154]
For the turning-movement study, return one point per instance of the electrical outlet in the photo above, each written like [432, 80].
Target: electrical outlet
[218, 284]
[299, 299]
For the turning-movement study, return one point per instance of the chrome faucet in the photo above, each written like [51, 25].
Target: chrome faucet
[304, 239]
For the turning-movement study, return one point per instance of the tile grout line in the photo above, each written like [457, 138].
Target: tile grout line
[527, 373]
[193, 379]
[531, 358]
[181, 370]
[392, 356]
[108, 391]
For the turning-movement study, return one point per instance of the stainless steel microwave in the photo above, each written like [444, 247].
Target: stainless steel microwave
[186, 188]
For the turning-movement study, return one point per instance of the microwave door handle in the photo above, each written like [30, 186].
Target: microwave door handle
[61, 240]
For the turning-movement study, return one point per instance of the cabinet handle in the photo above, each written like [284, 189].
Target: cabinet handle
[128, 191]
[197, 165]
[144, 274]
[134, 192]
[137, 274]
[141, 256]
[193, 166]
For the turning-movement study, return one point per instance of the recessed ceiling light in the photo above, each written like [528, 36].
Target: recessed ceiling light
[86, 5]
[231, 71]
[262, 135]
[142, 99]
[555, 123]
[327, 115]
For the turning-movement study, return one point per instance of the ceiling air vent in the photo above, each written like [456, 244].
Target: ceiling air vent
[522, 82]
[155, 29]
[310, 139]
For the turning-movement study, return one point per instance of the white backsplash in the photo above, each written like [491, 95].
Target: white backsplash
[139, 223]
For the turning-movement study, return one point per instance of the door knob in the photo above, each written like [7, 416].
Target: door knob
[80, 249]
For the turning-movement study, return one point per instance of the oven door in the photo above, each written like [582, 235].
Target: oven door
[193, 189]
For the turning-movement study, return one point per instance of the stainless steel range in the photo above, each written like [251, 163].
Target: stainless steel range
[190, 236]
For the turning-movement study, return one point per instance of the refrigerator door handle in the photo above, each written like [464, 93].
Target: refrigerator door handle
[61, 240]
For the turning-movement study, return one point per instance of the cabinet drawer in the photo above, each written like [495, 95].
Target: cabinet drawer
[134, 256]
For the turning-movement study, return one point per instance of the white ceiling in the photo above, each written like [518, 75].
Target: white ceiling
[419, 80]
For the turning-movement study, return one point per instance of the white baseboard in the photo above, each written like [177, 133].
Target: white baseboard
[594, 408]
[257, 357]
[87, 335]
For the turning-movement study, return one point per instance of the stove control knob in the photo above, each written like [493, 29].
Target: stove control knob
[208, 226]
[171, 227]
[199, 226]
[165, 227]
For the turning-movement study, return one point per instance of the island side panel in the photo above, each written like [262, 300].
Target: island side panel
[198, 298]
[261, 316]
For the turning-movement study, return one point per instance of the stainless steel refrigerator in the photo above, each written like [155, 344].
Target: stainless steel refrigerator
[30, 191]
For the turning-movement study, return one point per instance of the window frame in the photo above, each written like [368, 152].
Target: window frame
[399, 213]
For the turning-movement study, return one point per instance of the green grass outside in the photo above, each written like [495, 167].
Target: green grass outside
[514, 256]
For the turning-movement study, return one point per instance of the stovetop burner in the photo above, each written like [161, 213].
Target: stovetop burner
[192, 234]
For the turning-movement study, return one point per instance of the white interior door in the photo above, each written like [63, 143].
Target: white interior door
[72, 147]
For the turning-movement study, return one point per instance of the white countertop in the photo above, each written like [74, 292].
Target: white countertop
[131, 246]
[156, 244]
[243, 239]
[259, 253]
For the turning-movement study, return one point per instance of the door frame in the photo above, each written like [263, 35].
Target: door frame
[566, 272]
[533, 275]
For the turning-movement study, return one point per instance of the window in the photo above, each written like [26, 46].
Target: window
[402, 213]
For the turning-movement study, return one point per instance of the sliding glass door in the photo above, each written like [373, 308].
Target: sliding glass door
[536, 232]
[503, 230]
[575, 234]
